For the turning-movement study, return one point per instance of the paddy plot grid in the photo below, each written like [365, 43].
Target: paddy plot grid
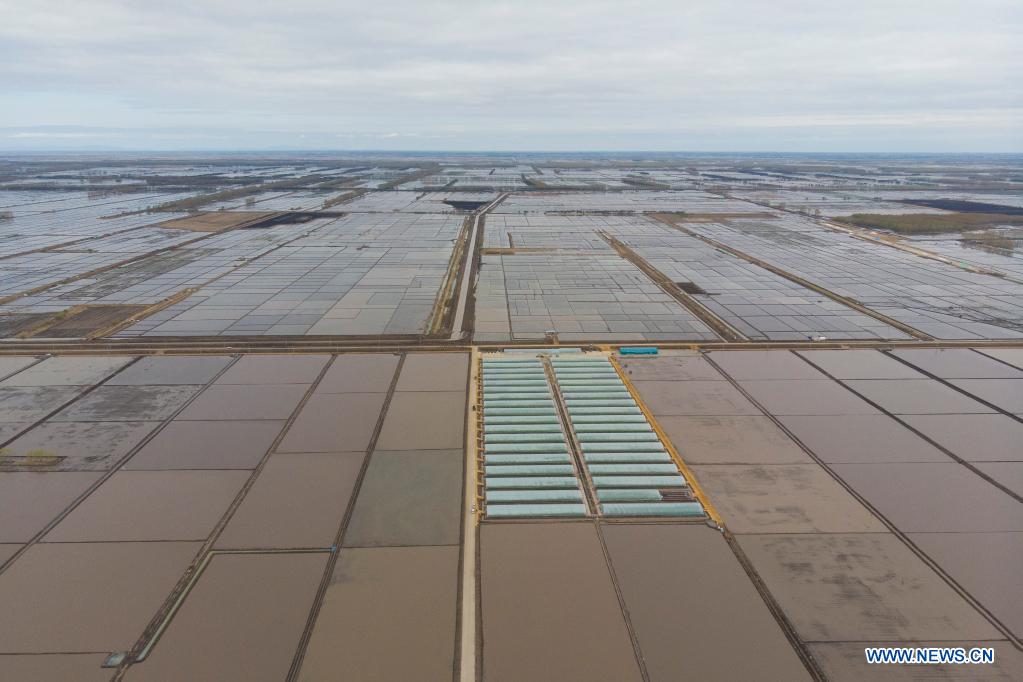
[536, 459]
[527, 468]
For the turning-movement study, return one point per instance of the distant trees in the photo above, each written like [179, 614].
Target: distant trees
[929, 223]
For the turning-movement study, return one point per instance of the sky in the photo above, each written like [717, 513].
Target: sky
[478, 75]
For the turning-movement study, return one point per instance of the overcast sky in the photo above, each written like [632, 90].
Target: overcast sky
[757, 75]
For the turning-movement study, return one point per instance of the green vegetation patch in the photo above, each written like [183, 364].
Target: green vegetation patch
[990, 240]
[929, 223]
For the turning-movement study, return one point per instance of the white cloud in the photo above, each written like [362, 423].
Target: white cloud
[40, 135]
[482, 72]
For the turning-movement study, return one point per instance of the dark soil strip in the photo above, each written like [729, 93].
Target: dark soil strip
[965, 206]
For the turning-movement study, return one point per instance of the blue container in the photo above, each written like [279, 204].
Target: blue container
[638, 350]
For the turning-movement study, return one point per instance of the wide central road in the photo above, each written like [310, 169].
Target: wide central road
[467, 268]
